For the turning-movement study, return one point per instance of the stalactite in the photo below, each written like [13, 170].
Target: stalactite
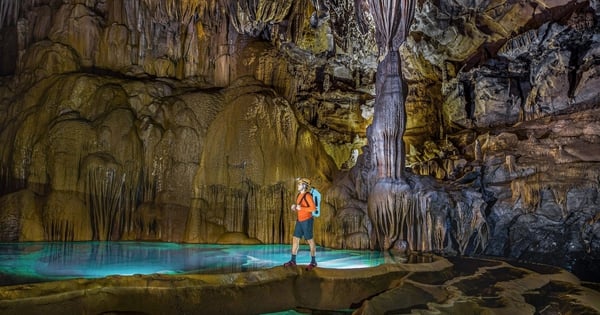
[130, 186]
[104, 189]
[65, 217]
[251, 17]
[479, 230]
[519, 44]
[234, 210]
[350, 222]
[205, 216]
[439, 232]
[10, 217]
[268, 220]
[458, 229]
[527, 190]
[153, 167]
[254, 210]
[510, 164]
[165, 11]
[148, 187]
[560, 198]
[9, 10]
[165, 34]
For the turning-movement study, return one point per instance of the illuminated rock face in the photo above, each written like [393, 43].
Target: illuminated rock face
[138, 120]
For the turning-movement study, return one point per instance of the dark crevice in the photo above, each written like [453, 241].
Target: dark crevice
[574, 75]
[469, 95]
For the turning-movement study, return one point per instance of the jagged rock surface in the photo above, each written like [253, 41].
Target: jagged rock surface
[109, 113]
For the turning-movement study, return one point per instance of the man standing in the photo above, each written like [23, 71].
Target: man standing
[304, 207]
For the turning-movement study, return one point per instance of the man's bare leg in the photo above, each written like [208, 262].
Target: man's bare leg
[313, 247]
[295, 245]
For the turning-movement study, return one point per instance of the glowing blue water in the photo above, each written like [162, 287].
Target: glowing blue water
[46, 261]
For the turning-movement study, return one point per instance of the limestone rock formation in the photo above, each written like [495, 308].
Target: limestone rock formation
[137, 120]
[254, 150]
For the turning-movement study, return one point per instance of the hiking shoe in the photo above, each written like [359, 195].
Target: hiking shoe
[290, 263]
[311, 266]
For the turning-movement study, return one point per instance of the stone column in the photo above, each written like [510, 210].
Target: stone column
[392, 21]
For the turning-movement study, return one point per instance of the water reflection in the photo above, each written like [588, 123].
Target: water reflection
[34, 262]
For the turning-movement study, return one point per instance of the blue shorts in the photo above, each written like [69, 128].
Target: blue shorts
[304, 228]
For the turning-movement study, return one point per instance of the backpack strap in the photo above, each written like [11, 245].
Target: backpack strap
[304, 198]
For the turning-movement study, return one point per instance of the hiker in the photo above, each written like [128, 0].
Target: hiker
[304, 207]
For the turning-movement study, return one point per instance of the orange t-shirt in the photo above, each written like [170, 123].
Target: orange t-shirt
[307, 206]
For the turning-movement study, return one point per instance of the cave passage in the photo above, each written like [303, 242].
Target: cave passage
[31, 262]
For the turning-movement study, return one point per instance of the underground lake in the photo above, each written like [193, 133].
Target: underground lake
[47, 261]
[172, 278]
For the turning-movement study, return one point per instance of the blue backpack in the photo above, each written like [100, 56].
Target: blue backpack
[317, 199]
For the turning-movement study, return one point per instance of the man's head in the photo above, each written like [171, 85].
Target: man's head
[302, 183]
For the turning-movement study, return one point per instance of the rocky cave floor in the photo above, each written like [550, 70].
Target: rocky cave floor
[449, 285]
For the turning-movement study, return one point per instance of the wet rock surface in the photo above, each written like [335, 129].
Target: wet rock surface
[454, 286]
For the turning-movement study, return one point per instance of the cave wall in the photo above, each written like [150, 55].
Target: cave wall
[519, 120]
[187, 121]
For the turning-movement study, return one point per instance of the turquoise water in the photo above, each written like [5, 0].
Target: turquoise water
[48, 261]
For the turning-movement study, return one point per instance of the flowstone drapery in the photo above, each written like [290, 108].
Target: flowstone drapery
[410, 212]
[392, 22]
